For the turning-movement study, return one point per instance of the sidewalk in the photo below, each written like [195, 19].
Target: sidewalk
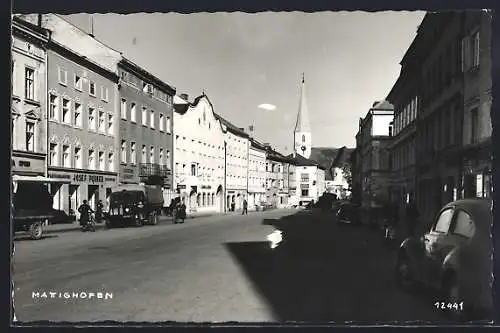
[75, 226]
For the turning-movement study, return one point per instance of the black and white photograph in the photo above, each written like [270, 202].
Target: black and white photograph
[270, 167]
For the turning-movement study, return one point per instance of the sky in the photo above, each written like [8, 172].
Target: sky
[241, 61]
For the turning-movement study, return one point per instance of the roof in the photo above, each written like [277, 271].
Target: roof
[257, 144]
[300, 160]
[302, 123]
[130, 65]
[273, 155]
[232, 128]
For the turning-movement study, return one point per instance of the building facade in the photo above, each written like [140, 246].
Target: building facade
[277, 183]
[256, 174]
[236, 166]
[199, 155]
[440, 111]
[477, 127]
[372, 141]
[28, 111]
[306, 180]
[146, 127]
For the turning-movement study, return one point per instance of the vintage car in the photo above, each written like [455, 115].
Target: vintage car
[454, 258]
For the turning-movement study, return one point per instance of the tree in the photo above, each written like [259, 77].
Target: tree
[346, 170]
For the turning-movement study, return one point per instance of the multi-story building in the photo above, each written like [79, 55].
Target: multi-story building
[477, 128]
[236, 171]
[372, 141]
[146, 128]
[82, 103]
[404, 96]
[340, 173]
[437, 53]
[277, 183]
[256, 173]
[306, 180]
[28, 112]
[199, 155]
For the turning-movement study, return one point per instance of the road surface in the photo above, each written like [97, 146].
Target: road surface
[213, 269]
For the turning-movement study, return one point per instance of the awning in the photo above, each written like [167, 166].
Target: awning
[39, 179]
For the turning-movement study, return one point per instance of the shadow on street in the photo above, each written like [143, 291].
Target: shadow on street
[28, 238]
[324, 272]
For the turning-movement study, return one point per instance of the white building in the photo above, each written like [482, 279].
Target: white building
[256, 173]
[199, 155]
[236, 144]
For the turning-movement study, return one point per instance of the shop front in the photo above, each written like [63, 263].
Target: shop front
[28, 164]
[477, 177]
[83, 185]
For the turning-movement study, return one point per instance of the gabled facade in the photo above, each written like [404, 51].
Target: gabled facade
[29, 99]
[199, 155]
[306, 180]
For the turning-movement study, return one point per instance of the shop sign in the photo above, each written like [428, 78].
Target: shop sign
[20, 164]
[206, 187]
[127, 173]
[83, 178]
[181, 186]
[304, 186]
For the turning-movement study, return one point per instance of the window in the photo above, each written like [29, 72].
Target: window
[152, 154]
[475, 49]
[123, 109]
[102, 121]
[66, 156]
[473, 126]
[304, 193]
[78, 114]
[53, 107]
[303, 138]
[53, 154]
[133, 157]
[104, 94]
[66, 111]
[29, 83]
[111, 161]
[110, 124]
[92, 88]
[444, 220]
[169, 161]
[91, 118]
[161, 120]
[91, 160]
[168, 125]
[133, 113]
[161, 161]
[102, 164]
[63, 76]
[193, 169]
[78, 158]
[143, 154]
[30, 136]
[304, 177]
[464, 226]
[152, 119]
[123, 151]
[78, 82]
[144, 116]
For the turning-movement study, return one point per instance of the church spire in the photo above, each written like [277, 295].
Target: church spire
[302, 124]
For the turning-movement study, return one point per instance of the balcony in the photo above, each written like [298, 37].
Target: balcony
[153, 170]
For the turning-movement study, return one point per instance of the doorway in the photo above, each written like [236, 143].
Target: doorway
[73, 199]
[93, 196]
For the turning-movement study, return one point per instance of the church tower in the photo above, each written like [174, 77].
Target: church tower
[302, 132]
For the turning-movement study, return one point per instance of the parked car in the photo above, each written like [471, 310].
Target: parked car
[135, 204]
[349, 213]
[454, 258]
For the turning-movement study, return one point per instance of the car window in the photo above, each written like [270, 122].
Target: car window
[464, 225]
[444, 221]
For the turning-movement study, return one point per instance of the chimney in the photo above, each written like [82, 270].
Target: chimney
[242, 128]
[184, 97]
[40, 20]
[91, 26]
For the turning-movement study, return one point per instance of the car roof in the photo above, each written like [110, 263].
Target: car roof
[481, 210]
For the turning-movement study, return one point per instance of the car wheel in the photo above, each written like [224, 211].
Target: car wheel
[138, 221]
[154, 218]
[36, 230]
[404, 275]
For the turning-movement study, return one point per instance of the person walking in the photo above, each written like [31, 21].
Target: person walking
[245, 207]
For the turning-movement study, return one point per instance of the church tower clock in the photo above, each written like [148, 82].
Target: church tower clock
[302, 131]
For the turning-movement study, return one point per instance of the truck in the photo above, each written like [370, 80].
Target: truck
[31, 205]
[134, 204]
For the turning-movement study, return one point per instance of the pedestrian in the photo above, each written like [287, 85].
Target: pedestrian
[245, 207]
[233, 205]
